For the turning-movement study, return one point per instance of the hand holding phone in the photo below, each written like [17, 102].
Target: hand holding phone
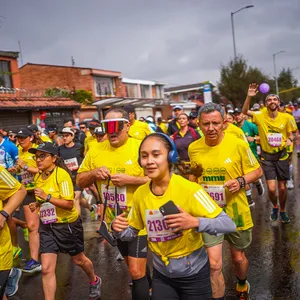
[169, 208]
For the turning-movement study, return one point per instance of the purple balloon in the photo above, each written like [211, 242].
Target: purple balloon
[264, 88]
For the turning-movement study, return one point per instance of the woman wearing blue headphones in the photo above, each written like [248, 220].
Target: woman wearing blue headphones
[174, 211]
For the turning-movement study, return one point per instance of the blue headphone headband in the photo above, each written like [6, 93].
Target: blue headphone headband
[173, 154]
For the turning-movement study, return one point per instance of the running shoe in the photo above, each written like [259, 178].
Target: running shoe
[17, 252]
[260, 187]
[120, 257]
[26, 234]
[95, 289]
[243, 295]
[32, 266]
[284, 217]
[274, 214]
[290, 184]
[250, 201]
[93, 212]
[13, 282]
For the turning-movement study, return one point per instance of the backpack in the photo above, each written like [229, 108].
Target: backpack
[192, 130]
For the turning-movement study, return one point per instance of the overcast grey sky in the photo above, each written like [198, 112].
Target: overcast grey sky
[174, 41]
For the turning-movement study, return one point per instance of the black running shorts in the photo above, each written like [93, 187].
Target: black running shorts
[3, 281]
[29, 198]
[137, 248]
[276, 169]
[62, 237]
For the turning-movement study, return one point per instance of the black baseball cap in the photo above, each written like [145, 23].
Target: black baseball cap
[193, 115]
[237, 110]
[33, 127]
[99, 130]
[129, 108]
[94, 123]
[52, 127]
[45, 147]
[24, 132]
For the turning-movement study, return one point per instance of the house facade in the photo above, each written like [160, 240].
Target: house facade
[21, 107]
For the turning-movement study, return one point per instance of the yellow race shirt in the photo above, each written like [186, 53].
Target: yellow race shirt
[163, 241]
[290, 149]
[8, 186]
[89, 142]
[236, 131]
[230, 159]
[163, 127]
[139, 130]
[59, 185]
[273, 133]
[27, 178]
[45, 138]
[124, 160]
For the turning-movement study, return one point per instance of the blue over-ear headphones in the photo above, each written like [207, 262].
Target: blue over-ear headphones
[173, 154]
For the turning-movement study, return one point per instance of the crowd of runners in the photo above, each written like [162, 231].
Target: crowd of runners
[178, 188]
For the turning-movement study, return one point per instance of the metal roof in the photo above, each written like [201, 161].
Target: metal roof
[136, 102]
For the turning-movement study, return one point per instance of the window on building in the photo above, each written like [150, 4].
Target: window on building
[5, 74]
[132, 90]
[159, 92]
[104, 86]
[145, 91]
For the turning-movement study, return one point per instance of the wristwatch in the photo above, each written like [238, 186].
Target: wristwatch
[4, 214]
[48, 198]
[25, 168]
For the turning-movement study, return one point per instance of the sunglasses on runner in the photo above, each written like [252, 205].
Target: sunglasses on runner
[113, 125]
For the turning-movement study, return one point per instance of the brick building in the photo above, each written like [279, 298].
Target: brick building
[107, 87]
[19, 106]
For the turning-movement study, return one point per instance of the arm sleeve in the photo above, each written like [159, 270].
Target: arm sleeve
[8, 184]
[256, 117]
[14, 152]
[249, 162]
[221, 224]
[66, 190]
[86, 164]
[202, 205]
[126, 235]
[135, 219]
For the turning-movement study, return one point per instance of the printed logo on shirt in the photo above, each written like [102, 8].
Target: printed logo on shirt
[129, 162]
[213, 178]
[227, 161]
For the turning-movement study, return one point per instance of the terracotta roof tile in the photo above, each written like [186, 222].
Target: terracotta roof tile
[19, 103]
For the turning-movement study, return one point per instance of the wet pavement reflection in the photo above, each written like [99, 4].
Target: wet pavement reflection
[274, 260]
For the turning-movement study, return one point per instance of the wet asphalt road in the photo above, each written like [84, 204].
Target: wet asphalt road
[274, 260]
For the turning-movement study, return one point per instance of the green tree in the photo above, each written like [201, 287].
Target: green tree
[57, 92]
[286, 80]
[235, 79]
[82, 96]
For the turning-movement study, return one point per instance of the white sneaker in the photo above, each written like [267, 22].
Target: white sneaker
[290, 184]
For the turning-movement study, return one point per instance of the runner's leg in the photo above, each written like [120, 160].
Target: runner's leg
[48, 275]
[32, 220]
[87, 266]
[282, 190]
[216, 274]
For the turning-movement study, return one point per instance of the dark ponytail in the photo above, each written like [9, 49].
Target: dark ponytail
[61, 164]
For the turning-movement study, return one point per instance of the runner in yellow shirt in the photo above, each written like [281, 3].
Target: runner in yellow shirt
[228, 165]
[91, 140]
[60, 225]
[116, 160]
[14, 193]
[276, 134]
[138, 130]
[290, 149]
[27, 170]
[181, 268]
